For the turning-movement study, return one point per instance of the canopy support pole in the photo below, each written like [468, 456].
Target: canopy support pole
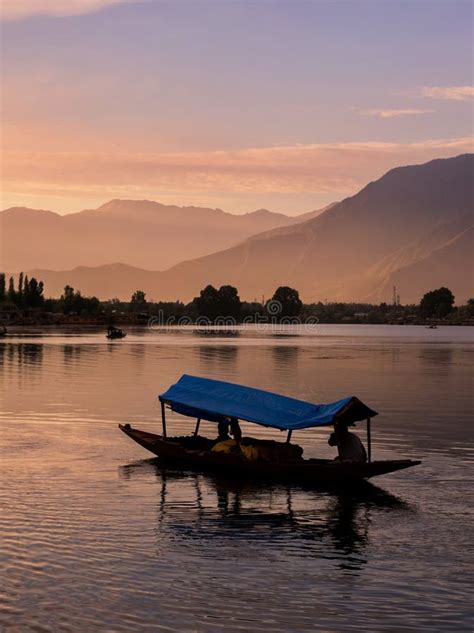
[163, 418]
[369, 442]
[288, 437]
[196, 430]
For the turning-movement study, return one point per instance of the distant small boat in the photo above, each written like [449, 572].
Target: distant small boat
[218, 401]
[431, 327]
[223, 333]
[113, 333]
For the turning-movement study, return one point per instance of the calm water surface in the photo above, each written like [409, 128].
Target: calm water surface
[96, 537]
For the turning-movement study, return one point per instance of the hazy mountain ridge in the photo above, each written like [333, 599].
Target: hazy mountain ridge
[412, 228]
[352, 249]
[143, 233]
[440, 264]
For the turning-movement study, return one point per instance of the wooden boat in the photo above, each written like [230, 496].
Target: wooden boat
[219, 402]
[178, 452]
[114, 333]
[216, 332]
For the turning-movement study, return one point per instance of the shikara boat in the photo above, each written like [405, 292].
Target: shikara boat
[216, 332]
[114, 333]
[218, 401]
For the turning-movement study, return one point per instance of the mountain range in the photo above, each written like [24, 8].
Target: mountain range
[141, 232]
[412, 228]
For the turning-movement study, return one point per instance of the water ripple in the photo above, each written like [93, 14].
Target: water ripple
[96, 538]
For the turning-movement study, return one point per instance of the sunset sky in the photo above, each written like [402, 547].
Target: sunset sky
[237, 105]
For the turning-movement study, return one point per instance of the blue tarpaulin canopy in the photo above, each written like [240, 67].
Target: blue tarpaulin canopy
[216, 401]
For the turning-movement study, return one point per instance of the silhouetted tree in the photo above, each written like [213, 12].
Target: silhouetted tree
[289, 300]
[72, 301]
[68, 299]
[20, 289]
[89, 305]
[470, 307]
[11, 295]
[138, 300]
[24, 297]
[208, 303]
[437, 303]
[33, 293]
[3, 287]
[228, 302]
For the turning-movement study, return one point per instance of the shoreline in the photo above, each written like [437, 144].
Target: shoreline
[199, 329]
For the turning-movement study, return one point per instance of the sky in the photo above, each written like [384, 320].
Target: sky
[286, 105]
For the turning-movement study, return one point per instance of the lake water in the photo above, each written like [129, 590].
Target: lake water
[95, 537]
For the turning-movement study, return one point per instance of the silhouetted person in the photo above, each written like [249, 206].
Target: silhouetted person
[222, 431]
[235, 429]
[349, 446]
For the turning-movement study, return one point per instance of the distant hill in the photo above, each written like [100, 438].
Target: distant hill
[455, 254]
[412, 228]
[140, 232]
[107, 282]
[312, 214]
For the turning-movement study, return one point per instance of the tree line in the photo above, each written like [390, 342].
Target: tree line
[27, 294]
[224, 302]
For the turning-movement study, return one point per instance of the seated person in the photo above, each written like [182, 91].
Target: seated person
[222, 431]
[235, 430]
[224, 443]
[349, 446]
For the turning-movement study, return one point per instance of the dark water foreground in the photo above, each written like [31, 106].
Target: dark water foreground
[96, 537]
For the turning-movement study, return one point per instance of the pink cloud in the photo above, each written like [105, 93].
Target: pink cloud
[452, 93]
[20, 9]
[393, 113]
[330, 168]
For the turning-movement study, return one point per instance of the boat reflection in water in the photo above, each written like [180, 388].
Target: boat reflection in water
[219, 513]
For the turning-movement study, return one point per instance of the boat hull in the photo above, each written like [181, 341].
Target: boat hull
[310, 471]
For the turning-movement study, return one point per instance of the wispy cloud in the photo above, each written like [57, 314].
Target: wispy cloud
[337, 169]
[451, 93]
[392, 113]
[20, 9]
